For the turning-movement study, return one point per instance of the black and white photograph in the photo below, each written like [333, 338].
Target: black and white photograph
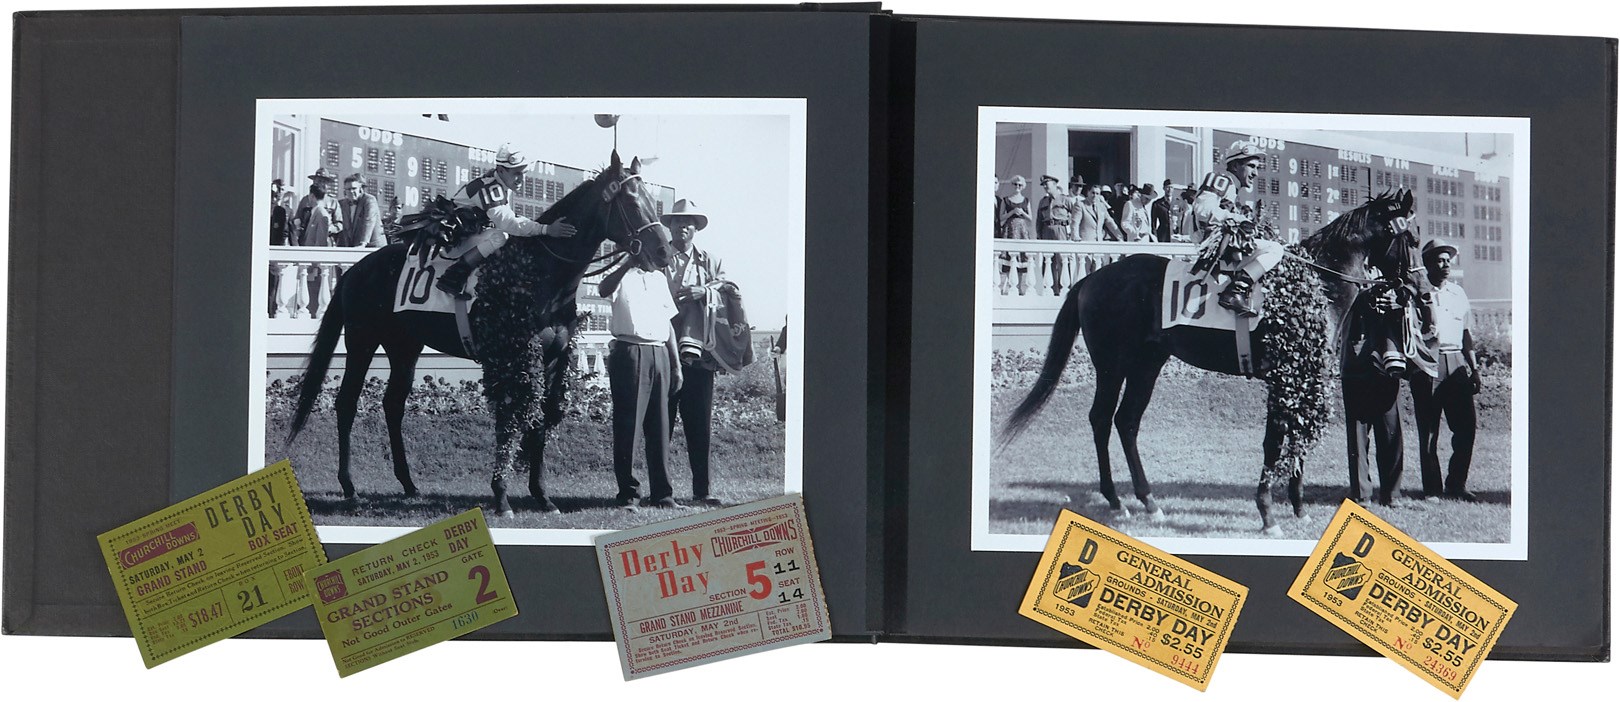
[573, 313]
[1207, 329]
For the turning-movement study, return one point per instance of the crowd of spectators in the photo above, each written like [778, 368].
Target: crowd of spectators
[1096, 211]
[328, 216]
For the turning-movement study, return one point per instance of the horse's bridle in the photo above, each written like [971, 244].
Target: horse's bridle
[610, 195]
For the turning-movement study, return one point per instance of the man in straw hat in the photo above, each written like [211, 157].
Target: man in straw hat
[492, 193]
[1236, 254]
[1452, 395]
[694, 277]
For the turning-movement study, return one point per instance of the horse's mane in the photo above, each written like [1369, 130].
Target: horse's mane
[1341, 240]
[568, 204]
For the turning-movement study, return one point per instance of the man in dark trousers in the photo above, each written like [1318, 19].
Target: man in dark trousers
[694, 279]
[642, 375]
[1370, 405]
[1452, 395]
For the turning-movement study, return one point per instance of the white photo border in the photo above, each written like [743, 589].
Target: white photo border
[794, 109]
[1517, 546]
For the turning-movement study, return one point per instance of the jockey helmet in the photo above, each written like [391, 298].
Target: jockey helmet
[508, 157]
[1243, 151]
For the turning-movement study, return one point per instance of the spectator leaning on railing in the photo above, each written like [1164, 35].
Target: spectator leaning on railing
[360, 212]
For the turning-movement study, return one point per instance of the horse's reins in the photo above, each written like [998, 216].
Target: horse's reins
[619, 250]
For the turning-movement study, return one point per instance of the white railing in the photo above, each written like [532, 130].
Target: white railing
[302, 277]
[301, 282]
[1032, 276]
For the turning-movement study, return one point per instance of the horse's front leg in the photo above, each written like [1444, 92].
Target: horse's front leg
[507, 443]
[553, 375]
[534, 455]
[1262, 493]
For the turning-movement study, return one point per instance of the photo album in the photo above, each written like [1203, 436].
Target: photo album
[927, 293]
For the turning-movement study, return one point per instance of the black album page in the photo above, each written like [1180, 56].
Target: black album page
[1067, 353]
[264, 247]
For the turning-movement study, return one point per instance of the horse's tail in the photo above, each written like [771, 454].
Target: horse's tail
[320, 358]
[1065, 329]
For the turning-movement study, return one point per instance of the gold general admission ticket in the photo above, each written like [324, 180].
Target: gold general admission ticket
[216, 565]
[1402, 599]
[431, 585]
[712, 586]
[1124, 596]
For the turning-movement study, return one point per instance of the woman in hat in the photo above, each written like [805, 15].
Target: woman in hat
[492, 193]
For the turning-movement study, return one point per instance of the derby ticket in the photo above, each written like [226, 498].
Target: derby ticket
[401, 596]
[1402, 599]
[712, 586]
[216, 565]
[1124, 596]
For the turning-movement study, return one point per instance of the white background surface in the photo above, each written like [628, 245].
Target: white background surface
[80, 668]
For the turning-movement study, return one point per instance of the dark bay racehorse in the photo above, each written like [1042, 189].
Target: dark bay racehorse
[523, 320]
[1117, 309]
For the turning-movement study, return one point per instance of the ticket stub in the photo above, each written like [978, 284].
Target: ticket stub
[1124, 596]
[401, 596]
[216, 565]
[712, 586]
[1402, 599]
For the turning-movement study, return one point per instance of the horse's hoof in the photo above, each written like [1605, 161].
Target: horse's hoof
[1157, 515]
[507, 514]
[411, 491]
[1303, 517]
[1272, 530]
[1065, 499]
[1121, 511]
[547, 506]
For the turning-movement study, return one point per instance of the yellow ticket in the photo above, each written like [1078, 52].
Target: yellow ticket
[1124, 596]
[401, 596]
[1400, 598]
[216, 565]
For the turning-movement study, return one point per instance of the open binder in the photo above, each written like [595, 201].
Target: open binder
[121, 404]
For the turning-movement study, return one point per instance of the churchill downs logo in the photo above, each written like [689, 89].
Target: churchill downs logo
[1075, 584]
[1347, 575]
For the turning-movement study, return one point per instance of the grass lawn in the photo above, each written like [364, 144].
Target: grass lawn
[450, 437]
[1200, 446]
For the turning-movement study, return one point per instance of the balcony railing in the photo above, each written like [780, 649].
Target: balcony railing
[1032, 276]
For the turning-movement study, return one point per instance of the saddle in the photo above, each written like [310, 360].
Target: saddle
[1189, 300]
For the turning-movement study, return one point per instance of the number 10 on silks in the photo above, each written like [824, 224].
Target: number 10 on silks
[431, 585]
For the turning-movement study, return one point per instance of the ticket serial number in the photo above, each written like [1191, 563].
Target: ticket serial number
[1402, 599]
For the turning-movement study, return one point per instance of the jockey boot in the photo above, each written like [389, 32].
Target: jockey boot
[1236, 295]
[454, 280]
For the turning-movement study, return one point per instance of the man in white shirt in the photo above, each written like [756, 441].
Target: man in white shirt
[1452, 395]
[643, 373]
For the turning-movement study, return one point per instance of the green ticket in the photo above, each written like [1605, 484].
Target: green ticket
[216, 565]
[401, 596]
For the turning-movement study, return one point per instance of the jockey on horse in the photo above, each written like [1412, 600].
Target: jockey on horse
[1230, 248]
[492, 193]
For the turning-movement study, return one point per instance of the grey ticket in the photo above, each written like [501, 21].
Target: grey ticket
[712, 586]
